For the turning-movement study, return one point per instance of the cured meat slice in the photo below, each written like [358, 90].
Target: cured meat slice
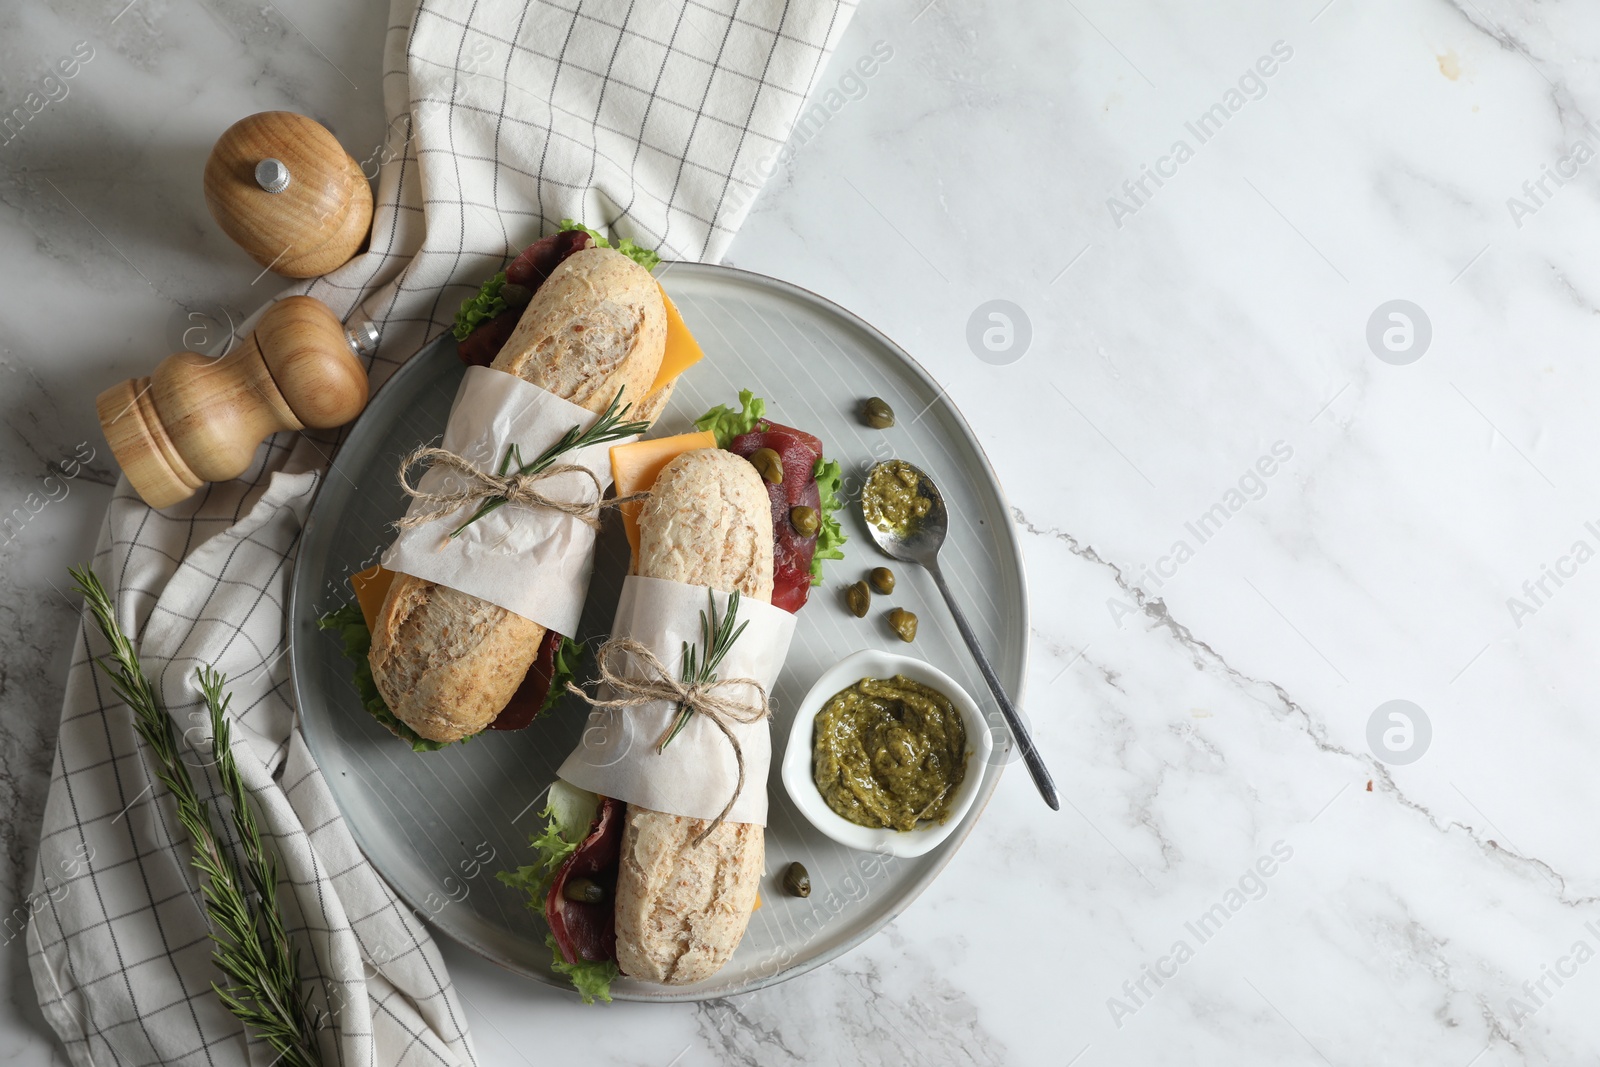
[484, 343]
[589, 931]
[792, 553]
[530, 695]
[529, 270]
[539, 260]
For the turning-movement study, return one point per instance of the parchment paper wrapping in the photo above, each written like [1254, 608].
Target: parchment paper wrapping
[532, 561]
[697, 773]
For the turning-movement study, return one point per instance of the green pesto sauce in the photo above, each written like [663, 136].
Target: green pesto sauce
[890, 500]
[889, 752]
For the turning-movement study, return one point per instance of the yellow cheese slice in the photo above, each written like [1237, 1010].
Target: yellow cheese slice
[683, 351]
[634, 467]
[371, 586]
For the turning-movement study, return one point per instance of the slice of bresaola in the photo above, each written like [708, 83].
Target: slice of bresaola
[589, 931]
[792, 553]
[530, 696]
[635, 466]
[529, 270]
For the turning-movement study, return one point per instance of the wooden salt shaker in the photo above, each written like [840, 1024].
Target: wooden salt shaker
[198, 420]
[284, 189]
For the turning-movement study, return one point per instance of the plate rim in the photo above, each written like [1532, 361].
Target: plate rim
[946, 850]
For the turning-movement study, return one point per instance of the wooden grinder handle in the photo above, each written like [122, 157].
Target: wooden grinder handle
[198, 420]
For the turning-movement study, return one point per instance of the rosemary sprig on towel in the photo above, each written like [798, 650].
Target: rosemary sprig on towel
[609, 427]
[700, 667]
[252, 946]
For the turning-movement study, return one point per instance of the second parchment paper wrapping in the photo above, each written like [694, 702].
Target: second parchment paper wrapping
[697, 772]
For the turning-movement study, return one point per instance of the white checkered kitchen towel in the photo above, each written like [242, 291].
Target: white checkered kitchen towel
[656, 118]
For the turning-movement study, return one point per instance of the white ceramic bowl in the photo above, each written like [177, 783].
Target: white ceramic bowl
[802, 788]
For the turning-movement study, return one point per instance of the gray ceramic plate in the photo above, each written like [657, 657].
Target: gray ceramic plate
[438, 825]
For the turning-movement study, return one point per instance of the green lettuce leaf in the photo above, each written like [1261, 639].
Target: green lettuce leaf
[727, 423]
[352, 628]
[550, 850]
[591, 978]
[646, 258]
[570, 813]
[568, 658]
[476, 310]
[830, 535]
[638, 253]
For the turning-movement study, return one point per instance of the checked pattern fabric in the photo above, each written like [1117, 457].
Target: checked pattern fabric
[655, 119]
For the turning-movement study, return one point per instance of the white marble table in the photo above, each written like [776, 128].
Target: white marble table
[1247, 527]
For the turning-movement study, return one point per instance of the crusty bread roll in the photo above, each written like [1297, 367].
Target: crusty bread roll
[583, 335]
[445, 662]
[682, 909]
[708, 521]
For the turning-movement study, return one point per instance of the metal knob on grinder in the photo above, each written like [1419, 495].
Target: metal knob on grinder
[281, 186]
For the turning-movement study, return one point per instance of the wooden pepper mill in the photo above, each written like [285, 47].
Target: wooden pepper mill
[198, 420]
[284, 189]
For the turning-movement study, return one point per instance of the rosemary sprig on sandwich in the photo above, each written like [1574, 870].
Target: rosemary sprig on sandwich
[700, 662]
[611, 426]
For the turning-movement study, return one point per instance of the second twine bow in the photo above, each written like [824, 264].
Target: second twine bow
[696, 690]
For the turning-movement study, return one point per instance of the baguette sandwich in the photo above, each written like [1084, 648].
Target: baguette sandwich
[446, 662]
[647, 894]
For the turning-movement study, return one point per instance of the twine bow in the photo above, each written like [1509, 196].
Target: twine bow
[513, 487]
[702, 698]
[517, 482]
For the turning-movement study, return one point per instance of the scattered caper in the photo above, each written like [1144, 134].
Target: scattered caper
[858, 598]
[877, 413]
[796, 880]
[882, 579]
[584, 891]
[769, 463]
[904, 624]
[804, 520]
[516, 296]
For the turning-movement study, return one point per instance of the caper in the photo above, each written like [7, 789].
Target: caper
[796, 880]
[877, 413]
[804, 520]
[515, 296]
[584, 891]
[903, 623]
[769, 463]
[858, 598]
[882, 579]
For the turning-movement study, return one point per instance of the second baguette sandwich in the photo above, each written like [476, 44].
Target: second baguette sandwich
[681, 909]
[630, 890]
[446, 662]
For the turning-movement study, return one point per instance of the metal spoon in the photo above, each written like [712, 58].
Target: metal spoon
[920, 544]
